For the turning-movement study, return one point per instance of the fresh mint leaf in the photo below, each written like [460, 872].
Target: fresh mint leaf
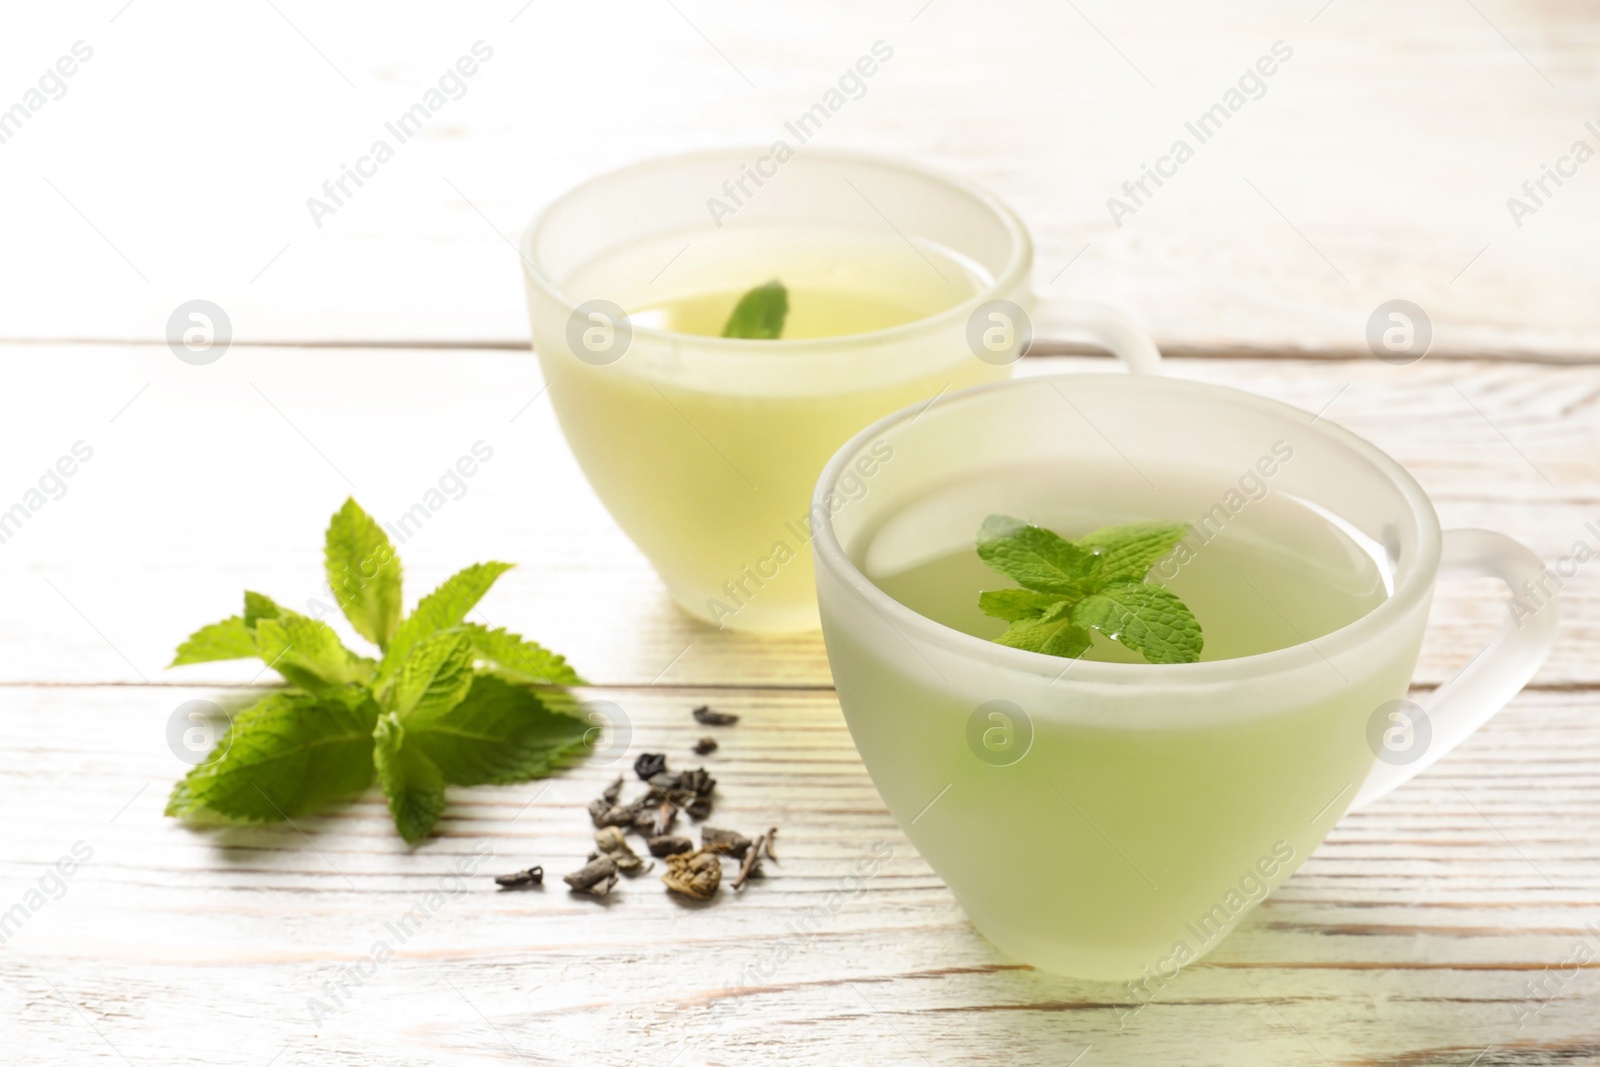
[445, 607]
[363, 572]
[434, 677]
[1095, 583]
[228, 639]
[285, 756]
[1130, 551]
[520, 659]
[411, 781]
[1054, 633]
[759, 314]
[499, 733]
[423, 714]
[1016, 605]
[1034, 557]
[308, 653]
[1144, 617]
[258, 607]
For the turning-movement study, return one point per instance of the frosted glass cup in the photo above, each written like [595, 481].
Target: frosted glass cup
[1116, 820]
[705, 449]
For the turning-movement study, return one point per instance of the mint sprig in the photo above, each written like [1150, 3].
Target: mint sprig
[1095, 583]
[446, 702]
[759, 314]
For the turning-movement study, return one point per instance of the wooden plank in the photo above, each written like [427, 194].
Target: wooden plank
[1345, 185]
[207, 481]
[1411, 936]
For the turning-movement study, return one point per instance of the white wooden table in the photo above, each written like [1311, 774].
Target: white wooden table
[1445, 925]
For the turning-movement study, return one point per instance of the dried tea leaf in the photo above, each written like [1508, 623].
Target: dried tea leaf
[609, 839]
[694, 874]
[533, 876]
[666, 815]
[698, 808]
[613, 845]
[669, 846]
[705, 746]
[697, 782]
[606, 814]
[724, 842]
[650, 764]
[613, 791]
[706, 717]
[751, 867]
[597, 877]
[646, 817]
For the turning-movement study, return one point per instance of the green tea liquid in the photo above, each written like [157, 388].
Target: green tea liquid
[1113, 845]
[1275, 575]
[713, 481]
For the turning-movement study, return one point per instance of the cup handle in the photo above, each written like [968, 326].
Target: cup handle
[1499, 670]
[1101, 326]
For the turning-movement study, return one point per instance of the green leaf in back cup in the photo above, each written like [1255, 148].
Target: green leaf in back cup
[759, 314]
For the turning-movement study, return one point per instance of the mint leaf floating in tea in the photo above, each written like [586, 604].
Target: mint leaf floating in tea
[1034, 557]
[1070, 588]
[1130, 551]
[446, 702]
[1144, 617]
[759, 314]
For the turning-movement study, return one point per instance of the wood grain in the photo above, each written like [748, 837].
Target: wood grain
[1437, 927]
[207, 481]
[1409, 937]
[1456, 922]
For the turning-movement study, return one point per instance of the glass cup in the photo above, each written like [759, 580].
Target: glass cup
[705, 449]
[1116, 820]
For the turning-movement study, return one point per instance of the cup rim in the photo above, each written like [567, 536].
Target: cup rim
[1414, 587]
[1014, 272]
